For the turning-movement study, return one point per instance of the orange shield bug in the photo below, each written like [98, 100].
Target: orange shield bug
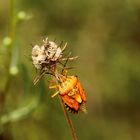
[46, 57]
[72, 93]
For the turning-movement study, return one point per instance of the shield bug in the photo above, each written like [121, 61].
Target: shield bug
[71, 92]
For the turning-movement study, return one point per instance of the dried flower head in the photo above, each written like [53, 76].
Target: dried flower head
[46, 57]
[52, 50]
[38, 56]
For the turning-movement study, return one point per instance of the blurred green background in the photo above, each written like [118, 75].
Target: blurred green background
[105, 34]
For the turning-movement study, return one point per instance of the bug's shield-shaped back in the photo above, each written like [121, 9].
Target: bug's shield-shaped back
[75, 100]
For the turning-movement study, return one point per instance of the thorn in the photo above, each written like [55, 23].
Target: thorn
[60, 44]
[31, 45]
[64, 47]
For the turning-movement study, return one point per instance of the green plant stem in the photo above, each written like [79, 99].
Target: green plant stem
[12, 21]
[6, 134]
[74, 137]
[11, 34]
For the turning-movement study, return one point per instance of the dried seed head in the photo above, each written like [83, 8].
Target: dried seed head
[53, 51]
[48, 57]
[46, 54]
[38, 56]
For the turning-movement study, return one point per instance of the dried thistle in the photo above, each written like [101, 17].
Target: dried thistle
[46, 57]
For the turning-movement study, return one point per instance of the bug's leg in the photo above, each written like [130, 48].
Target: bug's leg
[54, 86]
[56, 93]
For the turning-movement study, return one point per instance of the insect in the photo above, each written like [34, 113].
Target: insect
[71, 92]
[46, 57]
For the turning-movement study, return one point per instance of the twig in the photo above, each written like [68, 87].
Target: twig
[74, 137]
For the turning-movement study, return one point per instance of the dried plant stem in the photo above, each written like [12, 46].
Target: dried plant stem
[74, 137]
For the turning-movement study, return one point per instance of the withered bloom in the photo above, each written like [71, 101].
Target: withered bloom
[46, 57]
